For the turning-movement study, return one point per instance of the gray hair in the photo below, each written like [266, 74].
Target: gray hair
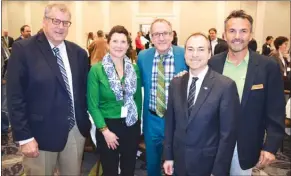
[61, 7]
[162, 21]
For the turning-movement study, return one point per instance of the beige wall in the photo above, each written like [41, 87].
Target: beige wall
[275, 20]
[270, 17]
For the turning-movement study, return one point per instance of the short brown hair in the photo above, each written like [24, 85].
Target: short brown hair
[199, 34]
[239, 14]
[280, 41]
[212, 29]
[118, 29]
[23, 28]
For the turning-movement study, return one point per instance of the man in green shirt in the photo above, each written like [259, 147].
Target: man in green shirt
[260, 87]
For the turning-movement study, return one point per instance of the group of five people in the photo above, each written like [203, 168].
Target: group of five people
[207, 115]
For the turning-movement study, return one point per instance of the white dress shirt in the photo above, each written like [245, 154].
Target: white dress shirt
[201, 77]
[64, 55]
[283, 62]
[213, 44]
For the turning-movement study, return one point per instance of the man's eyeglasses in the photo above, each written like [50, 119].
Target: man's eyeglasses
[57, 22]
[158, 34]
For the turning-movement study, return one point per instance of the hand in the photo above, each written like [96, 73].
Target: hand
[111, 139]
[30, 149]
[180, 74]
[168, 167]
[266, 158]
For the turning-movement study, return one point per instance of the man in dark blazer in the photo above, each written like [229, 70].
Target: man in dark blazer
[9, 40]
[215, 41]
[201, 117]
[25, 32]
[266, 48]
[46, 90]
[260, 87]
[253, 45]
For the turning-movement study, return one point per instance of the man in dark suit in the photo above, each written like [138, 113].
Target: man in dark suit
[266, 48]
[260, 87]
[46, 90]
[253, 45]
[9, 40]
[215, 41]
[25, 32]
[201, 120]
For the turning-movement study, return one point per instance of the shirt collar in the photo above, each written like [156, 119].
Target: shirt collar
[170, 53]
[201, 75]
[60, 46]
[215, 40]
[246, 58]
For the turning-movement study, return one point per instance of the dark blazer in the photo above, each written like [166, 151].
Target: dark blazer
[10, 41]
[253, 45]
[219, 42]
[202, 143]
[37, 95]
[266, 49]
[261, 109]
[220, 47]
[18, 39]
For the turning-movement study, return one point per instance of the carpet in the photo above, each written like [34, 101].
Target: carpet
[12, 162]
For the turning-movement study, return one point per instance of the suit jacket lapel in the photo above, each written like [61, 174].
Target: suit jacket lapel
[221, 61]
[251, 73]
[184, 86]
[50, 57]
[73, 60]
[203, 94]
[149, 64]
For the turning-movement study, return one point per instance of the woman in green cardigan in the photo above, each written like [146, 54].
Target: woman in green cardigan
[114, 102]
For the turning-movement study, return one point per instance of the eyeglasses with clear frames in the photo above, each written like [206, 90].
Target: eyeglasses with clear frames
[164, 34]
[56, 21]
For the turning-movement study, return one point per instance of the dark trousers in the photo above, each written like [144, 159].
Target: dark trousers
[125, 152]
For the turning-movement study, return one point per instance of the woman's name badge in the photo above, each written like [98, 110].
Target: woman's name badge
[123, 111]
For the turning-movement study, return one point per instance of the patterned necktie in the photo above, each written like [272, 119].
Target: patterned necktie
[161, 97]
[64, 75]
[191, 94]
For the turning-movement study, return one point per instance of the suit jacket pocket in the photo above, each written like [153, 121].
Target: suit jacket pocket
[36, 117]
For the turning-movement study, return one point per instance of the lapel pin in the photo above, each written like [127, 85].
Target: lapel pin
[205, 88]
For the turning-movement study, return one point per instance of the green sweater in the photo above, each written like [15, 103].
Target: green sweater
[101, 99]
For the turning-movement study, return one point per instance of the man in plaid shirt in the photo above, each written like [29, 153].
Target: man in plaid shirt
[158, 66]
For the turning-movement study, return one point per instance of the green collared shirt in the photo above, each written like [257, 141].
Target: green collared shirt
[101, 99]
[237, 72]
